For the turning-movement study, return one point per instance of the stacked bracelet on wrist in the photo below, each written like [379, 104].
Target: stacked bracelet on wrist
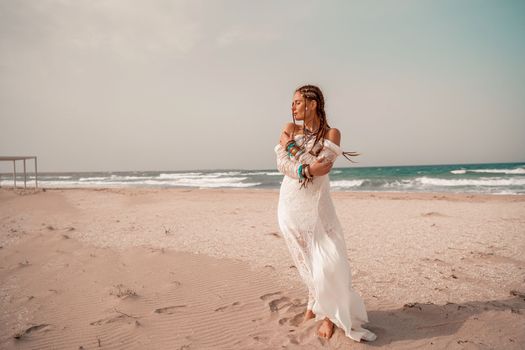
[292, 148]
[304, 171]
[304, 175]
[307, 172]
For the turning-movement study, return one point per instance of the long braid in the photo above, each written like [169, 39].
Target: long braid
[312, 92]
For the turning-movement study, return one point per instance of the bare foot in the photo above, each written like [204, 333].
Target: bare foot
[327, 329]
[308, 315]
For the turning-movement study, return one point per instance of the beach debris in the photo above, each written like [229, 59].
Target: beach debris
[166, 230]
[24, 264]
[107, 320]
[169, 309]
[122, 313]
[432, 213]
[412, 305]
[123, 292]
[275, 234]
[222, 308]
[518, 293]
[31, 329]
[99, 343]
[454, 276]
[111, 319]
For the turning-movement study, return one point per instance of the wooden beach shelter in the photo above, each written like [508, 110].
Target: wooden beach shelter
[24, 158]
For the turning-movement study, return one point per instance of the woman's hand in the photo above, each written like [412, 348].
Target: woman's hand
[321, 166]
[285, 137]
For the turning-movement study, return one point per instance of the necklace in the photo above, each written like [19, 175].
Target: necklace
[308, 136]
[308, 131]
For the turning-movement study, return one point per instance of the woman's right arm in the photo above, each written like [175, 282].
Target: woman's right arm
[285, 165]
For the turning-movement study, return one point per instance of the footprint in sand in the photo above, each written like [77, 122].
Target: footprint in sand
[294, 321]
[277, 304]
[269, 295]
[433, 214]
[222, 308]
[176, 283]
[110, 319]
[297, 306]
[36, 328]
[169, 309]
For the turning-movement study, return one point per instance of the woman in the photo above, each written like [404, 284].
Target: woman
[308, 220]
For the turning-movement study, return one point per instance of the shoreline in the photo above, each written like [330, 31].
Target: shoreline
[467, 196]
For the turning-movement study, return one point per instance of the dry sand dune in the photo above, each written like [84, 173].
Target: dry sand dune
[208, 269]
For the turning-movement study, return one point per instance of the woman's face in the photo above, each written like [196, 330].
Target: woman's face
[298, 106]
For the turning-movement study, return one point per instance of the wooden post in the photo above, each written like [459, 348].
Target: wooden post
[25, 177]
[14, 173]
[36, 175]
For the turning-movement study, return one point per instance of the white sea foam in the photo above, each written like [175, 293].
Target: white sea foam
[228, 173]
[515, 171]
[346, 183]
[262, 173]
[179, 175]
[198, 175]
[404, 184]
[204, 183]
[90, 179]
[119, 177]
[224, 180]
[493, 181]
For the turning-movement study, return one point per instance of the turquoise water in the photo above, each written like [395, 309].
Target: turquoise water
[494, 178]
[498, 178]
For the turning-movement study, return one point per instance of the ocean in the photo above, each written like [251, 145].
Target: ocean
[495, 178]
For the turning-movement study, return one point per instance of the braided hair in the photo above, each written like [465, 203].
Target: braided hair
[313, 93]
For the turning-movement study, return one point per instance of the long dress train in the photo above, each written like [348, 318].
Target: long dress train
[314, 236]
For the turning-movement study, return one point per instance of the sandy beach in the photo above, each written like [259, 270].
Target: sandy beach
[208, 269]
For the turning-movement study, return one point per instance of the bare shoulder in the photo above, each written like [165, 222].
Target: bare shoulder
[334, 135]
[289, 127]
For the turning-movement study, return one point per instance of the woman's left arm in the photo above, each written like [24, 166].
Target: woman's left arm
[331, 152]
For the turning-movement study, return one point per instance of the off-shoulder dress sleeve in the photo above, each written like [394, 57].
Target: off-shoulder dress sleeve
[330, 151]
[286, 165]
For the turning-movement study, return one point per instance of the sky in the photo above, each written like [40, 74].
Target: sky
[91, 85]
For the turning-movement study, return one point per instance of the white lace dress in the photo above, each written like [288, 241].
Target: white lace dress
[314, 236]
